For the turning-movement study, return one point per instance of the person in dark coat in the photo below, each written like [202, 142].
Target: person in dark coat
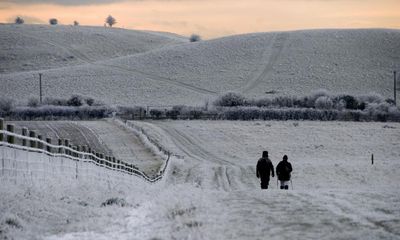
[283, 171]
[264, 169]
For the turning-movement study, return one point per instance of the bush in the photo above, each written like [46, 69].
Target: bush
[19, 20]
[33, 102]
[230, 99]
[6, 105]
[76, 23]
[156, 113]
[53, 21]
[194, 38]
[324, 102]
[75, 100]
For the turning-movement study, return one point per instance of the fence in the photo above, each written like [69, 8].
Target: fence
[29, 155]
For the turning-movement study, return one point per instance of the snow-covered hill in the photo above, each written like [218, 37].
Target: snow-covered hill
[298, 62]
[38, 47]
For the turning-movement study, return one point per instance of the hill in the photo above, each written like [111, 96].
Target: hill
[38, 47]
[286, 63]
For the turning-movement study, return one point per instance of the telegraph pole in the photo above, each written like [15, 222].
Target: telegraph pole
[395, 88]
[40, 87]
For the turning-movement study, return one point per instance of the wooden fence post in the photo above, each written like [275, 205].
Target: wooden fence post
[32, 143]
[60, 143]
[1, 128]
[48, 148]
[114, 162]
[40, 144]
[372, 159]
[10, 128]
[24, 133]
[66, 144]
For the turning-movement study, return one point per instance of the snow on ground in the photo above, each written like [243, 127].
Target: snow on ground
[36, 47]
[210, 190]
[297, 62]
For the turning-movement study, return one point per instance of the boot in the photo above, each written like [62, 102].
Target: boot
[282, 187]
[287, 187]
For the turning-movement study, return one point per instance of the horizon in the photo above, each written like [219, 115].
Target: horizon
[210, 19]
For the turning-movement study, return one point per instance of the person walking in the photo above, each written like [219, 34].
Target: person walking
[283, 171]
[264, 169]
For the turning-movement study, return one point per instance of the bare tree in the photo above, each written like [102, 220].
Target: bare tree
[110, 20]
[76, 23]
[19, 20]
[53, 21]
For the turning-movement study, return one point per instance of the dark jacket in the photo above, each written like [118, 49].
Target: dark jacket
[264, 168]
[283, 170]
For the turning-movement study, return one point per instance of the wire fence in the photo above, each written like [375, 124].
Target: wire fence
[30, 157]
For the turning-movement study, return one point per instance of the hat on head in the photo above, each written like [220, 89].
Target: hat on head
[265, 154]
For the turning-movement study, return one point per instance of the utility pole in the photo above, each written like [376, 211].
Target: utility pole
[395, 88]
[40, 88]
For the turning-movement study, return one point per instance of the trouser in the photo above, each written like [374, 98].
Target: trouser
[264, 183]
[284, 184]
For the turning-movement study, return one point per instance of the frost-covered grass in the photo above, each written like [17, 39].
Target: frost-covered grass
[285, 63]
[211, 192]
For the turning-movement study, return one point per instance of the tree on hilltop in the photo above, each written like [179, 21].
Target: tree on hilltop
[19, 20]
[110, 20]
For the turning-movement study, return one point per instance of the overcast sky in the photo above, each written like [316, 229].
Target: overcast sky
[210, 18]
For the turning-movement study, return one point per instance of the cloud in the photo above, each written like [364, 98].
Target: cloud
[63, 2]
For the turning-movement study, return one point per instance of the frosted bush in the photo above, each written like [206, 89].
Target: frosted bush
[53, 21]
[33, 102]
[194, 38]
[6, 105]
[324, 102]
[230, 99]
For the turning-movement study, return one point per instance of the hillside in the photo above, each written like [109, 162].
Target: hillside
[37, 47]
[297, 62]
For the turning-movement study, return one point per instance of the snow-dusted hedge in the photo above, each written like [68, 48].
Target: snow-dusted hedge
[49, 112]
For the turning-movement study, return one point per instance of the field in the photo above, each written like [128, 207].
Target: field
[211, 192]
[163, 69]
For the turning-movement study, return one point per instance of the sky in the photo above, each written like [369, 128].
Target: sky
[210, 18]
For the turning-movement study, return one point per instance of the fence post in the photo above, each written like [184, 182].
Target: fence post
[101, 156]
[40, 144]
[24, 133]
[32, 143]
[119, 162]
[10, 128]
[1, 128]
[114, 162]
[48, 148]
[60, 143]
[66, 144]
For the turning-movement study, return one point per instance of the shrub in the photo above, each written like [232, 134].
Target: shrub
[324, 102]
[33, 102]
[53, 21]
[75, 100]
[194, 38]
[230, 99]
[156, 113]
[76, 23]
[6, 105]
[19, 20]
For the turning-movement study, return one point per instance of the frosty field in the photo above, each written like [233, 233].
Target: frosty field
[210, 190]
[145, 68]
